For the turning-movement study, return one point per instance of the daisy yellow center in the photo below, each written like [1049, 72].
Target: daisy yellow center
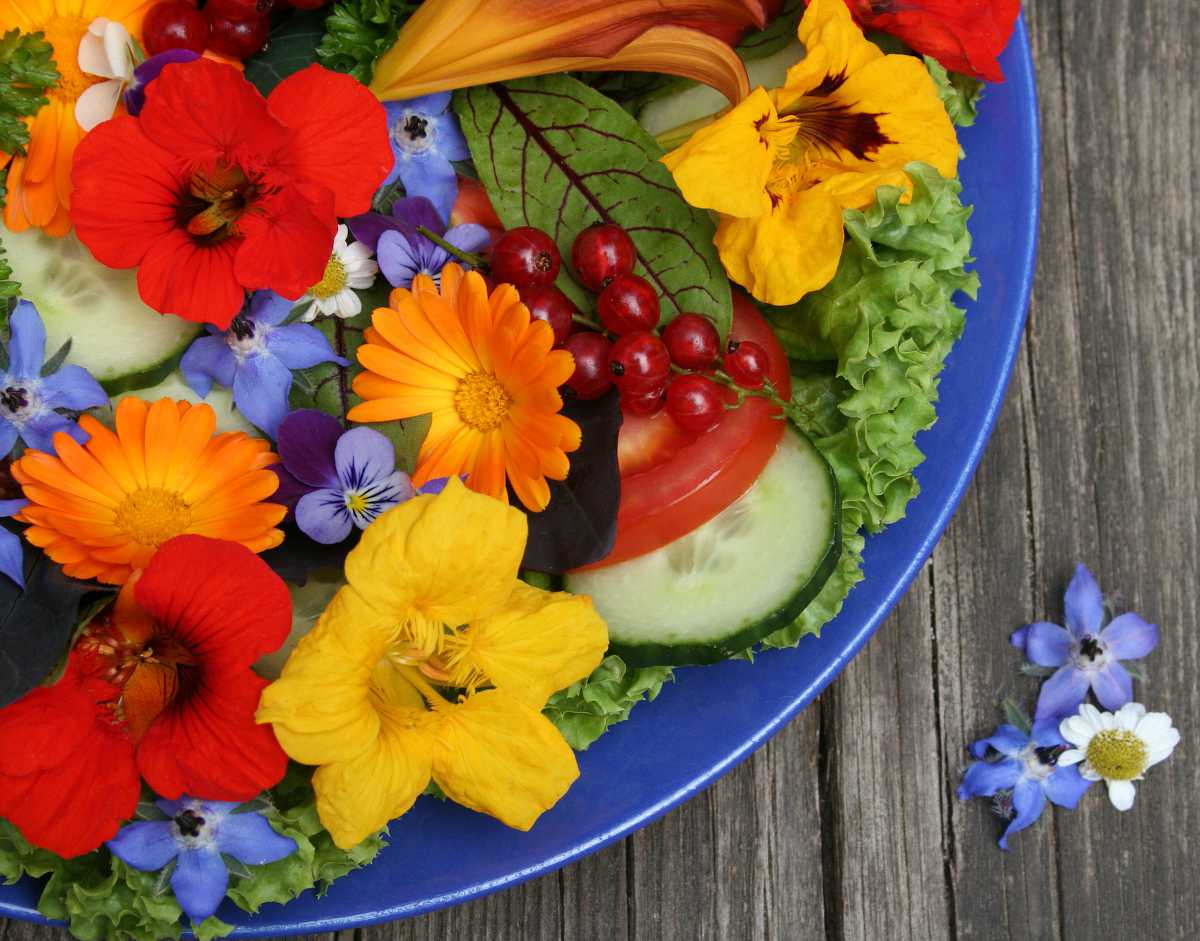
[152, 516]
[481, 401]
[64, 34]
[333, 282]
[1117, 754]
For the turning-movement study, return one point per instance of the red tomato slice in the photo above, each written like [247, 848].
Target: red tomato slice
[673, 482]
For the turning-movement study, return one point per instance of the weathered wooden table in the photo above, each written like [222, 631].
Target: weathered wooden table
[846, 825]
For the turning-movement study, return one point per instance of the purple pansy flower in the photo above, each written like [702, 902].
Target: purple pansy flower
[425, 139]
[335, 479]
[402, 252]
[194, 837]
[255, 357]
[148, 71]
[1087, 657]
[12, 562]
[29, 400]
[1027, 766]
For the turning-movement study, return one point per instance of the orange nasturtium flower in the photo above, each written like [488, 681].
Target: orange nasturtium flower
[450, 44]
[39, 182]
[782, 166]
[435, 661]
[102, 509]
[485, 370]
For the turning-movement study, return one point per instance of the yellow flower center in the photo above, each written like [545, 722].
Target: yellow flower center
[64, 34]
[1117, 754]
[152, 516]
[333, 282]
[481, 401]
[356, 502]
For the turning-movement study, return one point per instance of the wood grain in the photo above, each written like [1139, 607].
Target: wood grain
[845, 827]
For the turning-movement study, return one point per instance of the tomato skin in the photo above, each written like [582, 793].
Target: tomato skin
[673, 482]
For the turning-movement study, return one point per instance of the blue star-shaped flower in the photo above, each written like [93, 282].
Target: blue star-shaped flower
[425, 138]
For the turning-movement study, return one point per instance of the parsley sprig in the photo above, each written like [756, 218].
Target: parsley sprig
[359, 31]
[27, 72]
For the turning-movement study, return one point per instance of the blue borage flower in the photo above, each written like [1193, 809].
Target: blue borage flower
[12, 561]
[29, 401]
[403, 251]
[255, 357]
[425, 138]
[1027, 766]
[1087, 656]
[194, 837]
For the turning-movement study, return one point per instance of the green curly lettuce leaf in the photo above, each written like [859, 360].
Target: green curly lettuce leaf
[358, 32]
[960, 93]
[27, 72]
[890, 318]
[585, 710]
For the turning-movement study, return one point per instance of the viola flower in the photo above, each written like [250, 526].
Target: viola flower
[194, 837]
[102, 509]
[146, 72]
[965, 36]
[1028, 766]
[12, 561]
[29, 401]
[1117, 748]
[39, 182]
[783, 165]
[107, 55]
[433, 600]
[425, 138]
[403, 251]
[159, 685]
[213, 190]
[485, 370]
[1087, 655]
[349, 268]
[255, 357]
[343, 478]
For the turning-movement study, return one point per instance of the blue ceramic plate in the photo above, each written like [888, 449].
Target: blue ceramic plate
[714, 717]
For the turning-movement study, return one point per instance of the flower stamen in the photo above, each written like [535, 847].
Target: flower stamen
[481, 401]
[1118, 755]
[151, 516]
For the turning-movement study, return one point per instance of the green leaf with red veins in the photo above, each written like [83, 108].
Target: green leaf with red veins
[556, 154]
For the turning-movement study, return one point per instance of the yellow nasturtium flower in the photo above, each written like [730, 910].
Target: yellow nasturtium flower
[435, 661]
[782, 166]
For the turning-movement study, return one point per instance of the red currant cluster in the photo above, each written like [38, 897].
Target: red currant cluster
[673, 370]
[234, 28]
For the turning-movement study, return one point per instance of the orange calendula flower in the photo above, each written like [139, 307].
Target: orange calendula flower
[39, 182]
[102, 509]
[486, 372]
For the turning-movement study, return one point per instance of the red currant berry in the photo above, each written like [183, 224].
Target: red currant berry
[695, 403]
[525, 255]
[240, 9]
[628, 304]
[601, 253]
[238, 39]
[174, 25]
[548, 303]
[591, 378]
[746, 363]
[639, 363]
[644, 404]
[692, 341]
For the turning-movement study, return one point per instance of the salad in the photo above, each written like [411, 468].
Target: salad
[393, 394]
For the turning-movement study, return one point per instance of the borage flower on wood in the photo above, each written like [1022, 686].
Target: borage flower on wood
[160, 687]
[213, 190]
[435, 661]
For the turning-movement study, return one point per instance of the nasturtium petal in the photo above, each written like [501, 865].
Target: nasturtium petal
[495, 754]
[837, 46]
[539, 643]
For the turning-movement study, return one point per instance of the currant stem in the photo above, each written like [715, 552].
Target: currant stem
[475, 261]
[587, 322]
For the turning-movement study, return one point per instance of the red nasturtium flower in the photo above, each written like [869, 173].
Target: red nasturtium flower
[963, 35]
[159, 687]
[213, 190]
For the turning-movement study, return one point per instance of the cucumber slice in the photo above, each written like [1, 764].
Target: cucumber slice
[114, 336]
[745, 573]
[221, 400]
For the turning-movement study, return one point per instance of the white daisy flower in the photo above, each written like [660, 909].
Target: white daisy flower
[349, 267]
[1117, 748]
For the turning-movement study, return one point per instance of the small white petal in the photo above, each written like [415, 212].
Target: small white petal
[1090, 714]
[348, 304]
[339, 241]
[1162, 750]
[310, 314]
[92, 57]
[97, 104]
[1072, 756]
[1121, 793]
[1153, 727]
[1076, 730]
[1129, 715]
[118, 47]
[1108, 722]
[356, 253]
[1088, 773]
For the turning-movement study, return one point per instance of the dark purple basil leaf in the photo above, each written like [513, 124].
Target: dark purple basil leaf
[579, 525]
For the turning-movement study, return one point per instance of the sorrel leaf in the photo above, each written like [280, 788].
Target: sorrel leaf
[558, 155]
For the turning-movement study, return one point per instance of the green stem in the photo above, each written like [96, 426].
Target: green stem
[475, 261]
[587, 322]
